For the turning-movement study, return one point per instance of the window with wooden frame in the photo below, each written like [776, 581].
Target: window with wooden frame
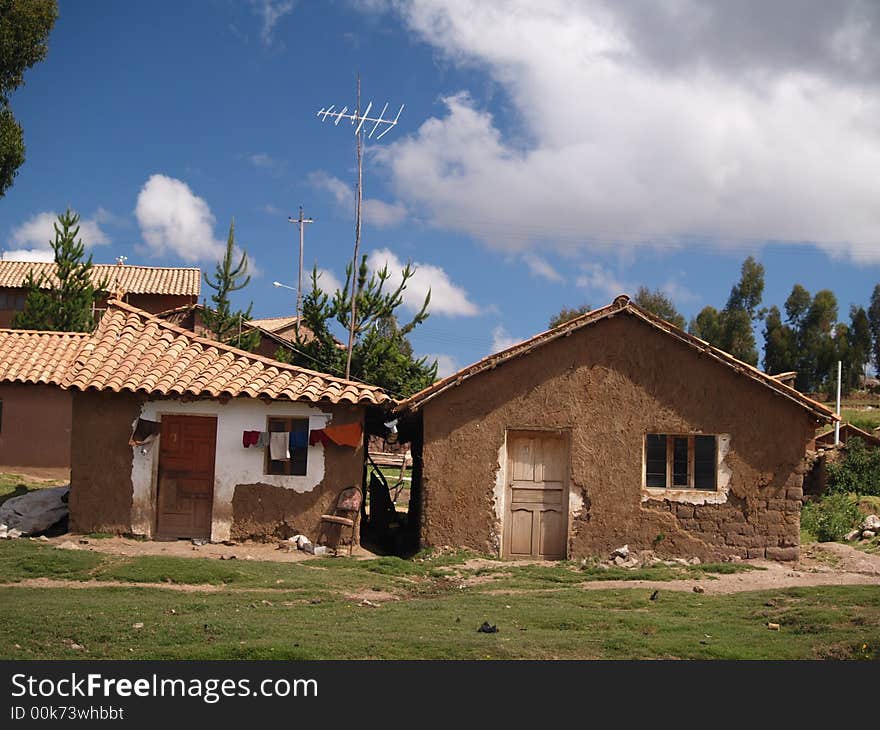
[298, 462]
[681, 461]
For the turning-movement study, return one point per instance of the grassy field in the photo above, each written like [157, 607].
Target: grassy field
[414, 609]
[14, 485]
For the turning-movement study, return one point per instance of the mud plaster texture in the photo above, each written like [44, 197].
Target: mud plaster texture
[102, 488]
[100, 470]
[604, 387]
[264, 511]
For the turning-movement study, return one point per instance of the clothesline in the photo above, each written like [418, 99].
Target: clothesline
[282, 443]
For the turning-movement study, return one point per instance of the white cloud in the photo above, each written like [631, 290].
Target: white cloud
[175, 220]
[266, 162]
[376, 212]
[501, 339]
[608, 142]
[541, 268]
[328, 281]
[446, 364]
[596, 279]
[33, 238]
[270, 12]
[446, 297]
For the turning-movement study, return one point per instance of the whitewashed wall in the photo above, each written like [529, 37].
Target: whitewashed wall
[234, 463]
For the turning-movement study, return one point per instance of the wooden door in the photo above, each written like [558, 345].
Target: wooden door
[187, 448]
[537, 516]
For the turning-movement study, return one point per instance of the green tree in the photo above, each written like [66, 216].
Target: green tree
[738, 318]
[382, 354]
[226, 324]
[780, 344]
[24, 29]
[874, 323]
[65, 302]
[707, 325]
[567, 314]
[658, 303]
[859, 344]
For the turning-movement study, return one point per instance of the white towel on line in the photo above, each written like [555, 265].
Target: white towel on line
[279, 445]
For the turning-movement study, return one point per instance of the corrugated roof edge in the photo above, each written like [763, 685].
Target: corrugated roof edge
[115, 303]
[621, 304]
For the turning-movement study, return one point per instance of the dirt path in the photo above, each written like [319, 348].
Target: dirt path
[821, 564]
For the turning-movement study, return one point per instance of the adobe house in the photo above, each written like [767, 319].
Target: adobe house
[614, 428]
[41, 414]
[188, 474]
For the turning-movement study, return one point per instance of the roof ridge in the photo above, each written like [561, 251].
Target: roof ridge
[621, 303]
[229, 348]
[14, 331]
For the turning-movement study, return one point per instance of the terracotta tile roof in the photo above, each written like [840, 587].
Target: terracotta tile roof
[27, 356]
[138, 352]
[132, 279]
[273, 324]
[621, 305]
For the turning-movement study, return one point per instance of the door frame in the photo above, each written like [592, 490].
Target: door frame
[157, 467]
[563, 435]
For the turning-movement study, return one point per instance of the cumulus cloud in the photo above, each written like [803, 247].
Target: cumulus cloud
[501, 339]
[446, 297]
[33, 238]
[175, 220]
[328, 281]
[648, 124]
[376, 212]
[270, 12]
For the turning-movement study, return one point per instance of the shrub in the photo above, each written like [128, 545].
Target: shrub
[831, 518]
[858, 471]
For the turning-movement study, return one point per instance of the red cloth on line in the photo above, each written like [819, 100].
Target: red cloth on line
[249, 438]
[350, 434]
[319, 437]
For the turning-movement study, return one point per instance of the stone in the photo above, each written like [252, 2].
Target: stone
[138, 625]
[871, 522]
[68, 545]
[699, 589]
[852, 535]
[782, 553]
[772, 626]
[694, 560]
[617, 560]
[622, 552]
[868, 534]
[13, 534]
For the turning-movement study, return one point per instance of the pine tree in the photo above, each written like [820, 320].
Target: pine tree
[382, 354]
[65, 302]
[227, 325]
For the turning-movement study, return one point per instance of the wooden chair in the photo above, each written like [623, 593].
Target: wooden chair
[345, 514]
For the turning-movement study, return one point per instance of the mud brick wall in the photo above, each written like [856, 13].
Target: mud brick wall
[603, 388]
[767, 526]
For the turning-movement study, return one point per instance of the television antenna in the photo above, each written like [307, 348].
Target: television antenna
[356, 118]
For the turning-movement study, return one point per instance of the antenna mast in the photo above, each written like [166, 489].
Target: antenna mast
[299, 285]
[359, 119]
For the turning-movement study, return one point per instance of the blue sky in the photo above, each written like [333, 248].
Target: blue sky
[549, 155]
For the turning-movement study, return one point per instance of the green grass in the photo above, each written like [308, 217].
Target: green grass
[15, 485]
[310, 610]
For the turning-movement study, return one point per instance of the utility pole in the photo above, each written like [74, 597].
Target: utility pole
[299, 286]
[837, 423]
[358, 119]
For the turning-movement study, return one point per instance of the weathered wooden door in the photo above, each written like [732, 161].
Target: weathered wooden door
[186, 476]
[537, 516]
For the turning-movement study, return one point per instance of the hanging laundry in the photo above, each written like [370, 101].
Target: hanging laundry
[351, 434]
[299, 439]
[144, 432]
[263, 440]
[250, 438]
[319, 437]
[316, 423]
[279, 446]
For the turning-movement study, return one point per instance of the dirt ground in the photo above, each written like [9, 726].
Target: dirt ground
[821, 564]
